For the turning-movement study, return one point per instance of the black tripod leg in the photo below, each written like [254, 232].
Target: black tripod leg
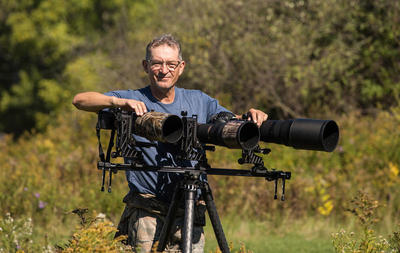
[169, 219]
[187, 233]
[215, 221]
[103, 179]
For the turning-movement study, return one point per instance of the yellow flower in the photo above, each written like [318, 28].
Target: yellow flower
[394, 170]
[326, 208]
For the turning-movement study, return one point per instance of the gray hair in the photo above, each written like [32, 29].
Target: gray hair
[165, 39]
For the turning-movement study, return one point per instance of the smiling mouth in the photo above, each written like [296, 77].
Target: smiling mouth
[163, 78]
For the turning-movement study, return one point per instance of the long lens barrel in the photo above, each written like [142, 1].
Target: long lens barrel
[311, 134]
[157, 126]
[232, 134]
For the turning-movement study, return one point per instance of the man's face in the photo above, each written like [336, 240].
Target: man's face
[164, 68]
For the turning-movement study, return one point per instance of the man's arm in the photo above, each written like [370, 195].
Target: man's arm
[94, 102]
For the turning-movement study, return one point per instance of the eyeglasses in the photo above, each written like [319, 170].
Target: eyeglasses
[171, 65]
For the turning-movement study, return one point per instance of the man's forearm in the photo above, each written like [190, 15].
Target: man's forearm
[93, 101]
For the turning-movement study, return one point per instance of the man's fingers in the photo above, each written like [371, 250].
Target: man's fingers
[140, 108]
[137, 109]
[258, 116]
[259, 119]
[137, 106]
[254, 116]
[265, 117]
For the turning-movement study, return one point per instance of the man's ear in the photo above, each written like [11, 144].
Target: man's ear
[145, 66]
[181, 67]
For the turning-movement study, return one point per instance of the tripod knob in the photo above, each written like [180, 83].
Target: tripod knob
[191, 187]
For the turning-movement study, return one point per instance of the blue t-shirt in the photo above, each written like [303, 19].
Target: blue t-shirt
[194, 102]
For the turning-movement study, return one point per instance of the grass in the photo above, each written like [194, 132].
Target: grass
[262, 236]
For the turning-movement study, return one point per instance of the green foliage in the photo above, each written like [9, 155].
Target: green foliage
[289, 58]
[46, 176]
[364, 209]
[38, 40]
[346, 242]
[15, 235]
[394, 240]
[292, 58]
[320, 58]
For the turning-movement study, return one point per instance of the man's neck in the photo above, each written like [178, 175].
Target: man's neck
[166, 96]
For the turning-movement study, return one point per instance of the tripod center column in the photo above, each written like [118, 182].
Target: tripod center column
[190, 188]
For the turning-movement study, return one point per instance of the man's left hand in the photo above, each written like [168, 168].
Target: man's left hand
[257, 116]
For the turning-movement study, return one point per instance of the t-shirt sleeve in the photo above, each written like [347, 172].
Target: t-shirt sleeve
[213, 107]
[117, 93]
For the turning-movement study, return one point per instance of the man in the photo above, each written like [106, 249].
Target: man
[150, 192]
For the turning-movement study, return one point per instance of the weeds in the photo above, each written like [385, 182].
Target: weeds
[365, 210]
[95, 235]
[15, 235]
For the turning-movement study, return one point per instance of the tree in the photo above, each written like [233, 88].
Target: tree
[37, 41]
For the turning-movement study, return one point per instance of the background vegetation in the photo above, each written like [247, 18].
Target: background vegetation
[294, 58]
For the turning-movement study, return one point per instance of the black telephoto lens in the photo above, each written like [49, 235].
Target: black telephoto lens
[311, 134]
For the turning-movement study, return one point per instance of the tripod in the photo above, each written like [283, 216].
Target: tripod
[188, 187]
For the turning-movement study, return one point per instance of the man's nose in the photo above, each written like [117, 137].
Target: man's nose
[164, 69]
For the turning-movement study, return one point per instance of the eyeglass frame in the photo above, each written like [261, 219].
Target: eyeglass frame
[162, 65]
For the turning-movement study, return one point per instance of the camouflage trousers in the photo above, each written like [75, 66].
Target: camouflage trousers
[143, 219]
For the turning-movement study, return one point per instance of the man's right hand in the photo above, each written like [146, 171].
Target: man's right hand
[94, 102]
[130, 105]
